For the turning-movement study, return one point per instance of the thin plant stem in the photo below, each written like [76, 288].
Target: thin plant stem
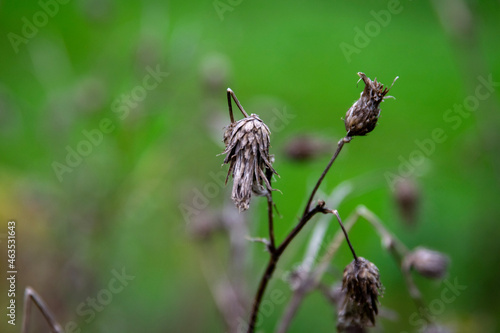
[340, 144]
[31, 295]
[306, 216]
[336, 213]
[230, 94]
[300, 225]
[271, 265]
[270, 205]
[308, 283]
[333, 247]
[313, 280]
[389, 240]
[397, 249]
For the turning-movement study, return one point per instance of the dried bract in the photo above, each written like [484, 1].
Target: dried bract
[428, 263]
[361, 285]
[247, 153]
[362, 117]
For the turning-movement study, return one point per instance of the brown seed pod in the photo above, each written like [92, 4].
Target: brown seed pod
[428, 263]
[361, 285]
[363, 115]
[247, 153]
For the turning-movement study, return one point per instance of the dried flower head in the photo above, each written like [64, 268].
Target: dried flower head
[247, 153]
[362, 117]
[428, 263]
[361, 285]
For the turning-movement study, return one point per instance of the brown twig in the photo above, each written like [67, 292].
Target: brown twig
[230, 94]
[31, 295]
[273, 259]
[270, 205]
[336, 213]
[340, 144]
[313, 280]
[397, 249]
[275, 252]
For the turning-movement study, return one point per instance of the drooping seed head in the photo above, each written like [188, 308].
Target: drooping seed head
[247, 153]
[428, 263]
[363, 115]
[361, 285]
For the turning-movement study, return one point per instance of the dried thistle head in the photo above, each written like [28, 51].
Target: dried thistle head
[362, 117]
[361, 285]
[428, 263]
[247, 153]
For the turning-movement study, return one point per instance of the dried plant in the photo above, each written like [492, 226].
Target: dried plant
[357, 301]
[363, 115]
[361, 286]
[247, 153]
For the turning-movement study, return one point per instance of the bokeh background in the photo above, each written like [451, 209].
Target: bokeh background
[133, 201]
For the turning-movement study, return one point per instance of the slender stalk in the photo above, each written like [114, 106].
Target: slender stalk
[277, 251]
[273, 259]
[333, 247]
[270, 204]
[271, 265]
[230, 94]
[336, 213]
[315, 276]
[319, 208]
[340, 144]
[31, 295]
[397, 249]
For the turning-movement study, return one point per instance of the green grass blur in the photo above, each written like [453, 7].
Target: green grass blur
[120, 206]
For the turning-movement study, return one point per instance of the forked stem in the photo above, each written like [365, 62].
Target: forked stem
[230, 94]
[31, 295]
[306, 216]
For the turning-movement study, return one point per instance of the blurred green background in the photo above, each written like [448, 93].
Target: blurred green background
[64, 68]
